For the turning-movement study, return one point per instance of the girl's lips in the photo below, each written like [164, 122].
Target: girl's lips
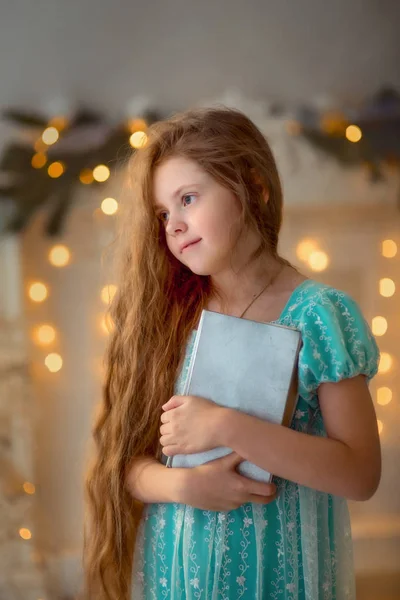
[190, 245]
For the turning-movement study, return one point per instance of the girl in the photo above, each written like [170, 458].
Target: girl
[202, 232]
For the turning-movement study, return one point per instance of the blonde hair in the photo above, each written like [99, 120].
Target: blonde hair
[158, 304]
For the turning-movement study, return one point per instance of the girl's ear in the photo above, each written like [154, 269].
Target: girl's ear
[258, 181]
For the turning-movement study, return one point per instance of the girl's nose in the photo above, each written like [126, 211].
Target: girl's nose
[175, 226]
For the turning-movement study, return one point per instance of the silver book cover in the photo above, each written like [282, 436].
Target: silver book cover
[245, 365]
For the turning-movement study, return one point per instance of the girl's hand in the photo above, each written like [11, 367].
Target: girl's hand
[190, 424]
[217, 486]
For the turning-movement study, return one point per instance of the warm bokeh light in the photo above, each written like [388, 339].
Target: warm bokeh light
[44, 334]
[38, 160]
[138, 139]
[107, 324]
[379, 325]
[25, 533]
[37, 291]
[86, 176]
[385, 363]
[353, 133]
[101, 173]
[53, 362]
[389, 248]
[384, 395]
[333, 123]
[59, 123]
[305, 248]
[108, 293]
[387, 287]
[29, 488]
[56, 169]
[380, 426]
[137, 125]
[59, 255]
[50, 136]
[318, 260]
[109, 206]
[40, 146]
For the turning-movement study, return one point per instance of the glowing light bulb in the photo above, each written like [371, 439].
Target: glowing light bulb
[25, 533]
[109, 206]
[29, 488]
[37, 292]
[86, 176]
[55, 170]
[101, 173]
[389, 248]
[379, 325]
[108, 293]
[353, 133]
[138, 139]
[38, 160]
[50, 136]
[387, 287]
[384, 395]
[45, 334]
[385, 363]
[305, 248]
[59, 255]
[318, 260]
[53, 362]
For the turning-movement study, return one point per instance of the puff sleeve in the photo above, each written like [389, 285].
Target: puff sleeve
[337, 342]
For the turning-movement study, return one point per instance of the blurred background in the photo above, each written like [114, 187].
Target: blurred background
[80, 83]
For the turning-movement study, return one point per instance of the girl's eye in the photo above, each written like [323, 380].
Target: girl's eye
[163, 216]
[187, 196]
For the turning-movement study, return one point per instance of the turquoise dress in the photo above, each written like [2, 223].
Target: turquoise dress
[299, 546]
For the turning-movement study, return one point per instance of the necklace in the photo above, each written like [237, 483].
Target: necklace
[270, 282]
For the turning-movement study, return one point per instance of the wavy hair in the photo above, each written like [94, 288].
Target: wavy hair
[157, 305]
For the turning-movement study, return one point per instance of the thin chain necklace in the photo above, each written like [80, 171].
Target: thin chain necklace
[270, 282]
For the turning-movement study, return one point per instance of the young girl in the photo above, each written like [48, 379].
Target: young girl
[202, 232]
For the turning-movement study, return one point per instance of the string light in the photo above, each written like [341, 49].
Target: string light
[109, 206]
[56, 169]
[137, 125]
[138, 139]
[353, 133]
[384, 395]
[38, 160]
[379, 325]
[385, 363]
[389, 248]
[37, 292]
[29, 488]
[53, 362]
[86, 176]
[108, 293]
[387, 287]
[59, 123]
[59, 255]
[318, 260]
[45, 334]
[101, 173]
[50, 136]
[305, 248]
[25, 533]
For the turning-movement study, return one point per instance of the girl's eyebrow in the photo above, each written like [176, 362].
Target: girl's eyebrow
[178, 191]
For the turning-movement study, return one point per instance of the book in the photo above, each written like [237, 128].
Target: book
[246, 365]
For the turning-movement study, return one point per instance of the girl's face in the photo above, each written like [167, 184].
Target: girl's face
[200, 216]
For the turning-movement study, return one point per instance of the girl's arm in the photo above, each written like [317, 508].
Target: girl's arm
[347, 463]
[149, 481]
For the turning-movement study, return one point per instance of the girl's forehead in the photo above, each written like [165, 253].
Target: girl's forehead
[175, 173]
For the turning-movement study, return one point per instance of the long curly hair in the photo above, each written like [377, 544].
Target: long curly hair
[157, 305]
